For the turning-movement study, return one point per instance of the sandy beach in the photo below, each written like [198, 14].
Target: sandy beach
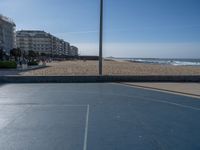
[67, 68]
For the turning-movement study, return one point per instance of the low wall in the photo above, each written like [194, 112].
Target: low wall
[93, 79]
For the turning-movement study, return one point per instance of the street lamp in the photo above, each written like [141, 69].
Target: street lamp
[101, 39]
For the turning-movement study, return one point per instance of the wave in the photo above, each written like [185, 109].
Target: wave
[174, 62]
[179, 63]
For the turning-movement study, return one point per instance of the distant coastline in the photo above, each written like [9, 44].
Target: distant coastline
[162, 61]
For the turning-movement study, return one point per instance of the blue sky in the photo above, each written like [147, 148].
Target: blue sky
[132, 28]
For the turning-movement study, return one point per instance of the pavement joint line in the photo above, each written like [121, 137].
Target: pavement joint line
[176, 104]
[18, 115]
[86, 128]
[160, 101]
[163, 90]
[166, 102]
[44, 105]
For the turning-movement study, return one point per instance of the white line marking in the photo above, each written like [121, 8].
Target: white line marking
[86, 127]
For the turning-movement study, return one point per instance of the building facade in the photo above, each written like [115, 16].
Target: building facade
[67, 48]
[42, 42]
[38, 41]
[7, 34]
[73, 51]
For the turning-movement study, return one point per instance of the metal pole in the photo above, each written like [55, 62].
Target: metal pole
[101, 39]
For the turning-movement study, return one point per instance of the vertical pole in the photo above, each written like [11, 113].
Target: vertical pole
[101, 39]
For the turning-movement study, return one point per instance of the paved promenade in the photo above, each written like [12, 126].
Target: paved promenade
[190, 89]
[96, 116]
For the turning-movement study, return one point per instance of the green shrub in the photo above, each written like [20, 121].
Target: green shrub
[33, 63]
[8, 64]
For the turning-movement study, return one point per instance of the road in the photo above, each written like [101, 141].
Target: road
[102, 116]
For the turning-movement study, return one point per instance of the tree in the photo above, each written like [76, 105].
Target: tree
[25, 55]
[2, 54]
[43, 54]
[32, 55]
[16, 53]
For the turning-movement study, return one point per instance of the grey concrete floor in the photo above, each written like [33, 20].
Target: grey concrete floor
[96, 117]
[190, 89]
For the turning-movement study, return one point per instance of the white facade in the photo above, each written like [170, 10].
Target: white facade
[67, 48]
[73, 51]
[7, 34]
[38, 41]
[42, 42]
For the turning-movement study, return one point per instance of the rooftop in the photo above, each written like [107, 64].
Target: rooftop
[6, 19]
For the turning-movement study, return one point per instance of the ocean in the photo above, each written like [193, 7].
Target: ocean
[165, 61]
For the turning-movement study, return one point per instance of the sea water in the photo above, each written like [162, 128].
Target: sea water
[174, 61]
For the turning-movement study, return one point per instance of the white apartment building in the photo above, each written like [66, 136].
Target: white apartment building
[73, 51]
[42, 42]
[67, 48]
[38, 41]
[7, 34]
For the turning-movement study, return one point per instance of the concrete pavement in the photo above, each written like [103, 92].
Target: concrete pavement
[188, 89]
[95, 117]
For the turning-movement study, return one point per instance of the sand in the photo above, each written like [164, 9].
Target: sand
[67, 68]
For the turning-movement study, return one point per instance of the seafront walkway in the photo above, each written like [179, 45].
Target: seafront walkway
[96, 116]
[187, 89]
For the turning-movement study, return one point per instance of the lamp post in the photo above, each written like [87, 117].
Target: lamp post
[101, 39]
